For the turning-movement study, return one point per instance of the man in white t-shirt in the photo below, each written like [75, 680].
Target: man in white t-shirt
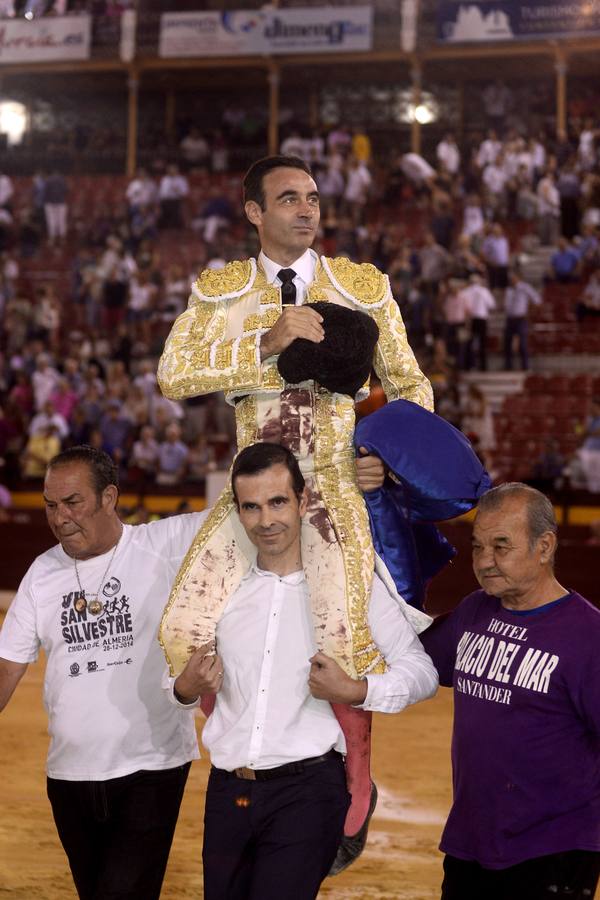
[119, 752]
[277, 798]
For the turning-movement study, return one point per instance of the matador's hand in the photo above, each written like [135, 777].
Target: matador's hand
[294, 322]
[370, 471]
[202, 675]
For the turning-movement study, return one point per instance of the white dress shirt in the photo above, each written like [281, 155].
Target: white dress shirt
[264, 714]
[304, 267]
[480, 300]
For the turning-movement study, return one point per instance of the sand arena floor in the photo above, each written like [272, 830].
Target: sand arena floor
[410, 765]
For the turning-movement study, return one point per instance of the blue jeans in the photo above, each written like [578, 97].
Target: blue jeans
[117, 833]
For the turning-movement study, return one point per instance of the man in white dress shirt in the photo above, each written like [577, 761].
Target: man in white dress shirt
[277, 798]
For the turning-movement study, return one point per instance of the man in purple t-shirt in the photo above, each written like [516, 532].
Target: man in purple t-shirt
[523, 657]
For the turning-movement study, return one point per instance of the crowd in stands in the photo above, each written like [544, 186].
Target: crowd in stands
[79, 356]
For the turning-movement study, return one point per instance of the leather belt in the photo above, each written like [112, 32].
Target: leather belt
[291, 768]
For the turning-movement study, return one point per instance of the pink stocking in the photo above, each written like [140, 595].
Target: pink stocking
[207, 704]
[356, 725]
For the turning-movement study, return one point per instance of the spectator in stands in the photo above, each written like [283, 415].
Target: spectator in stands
[41, 447]
[136, 406]
[114, 270]
[547, 469]
[356, 192]
[330, 182]
[569, 189]
[293, 145]
[64, 399]
[526, 201]
[589, 452]
[141, 192]
[201, 460]
[55, 193]
[118, 382]
[435, 263]
[174, 295]
[494, 179]
[9, 274]
[361, 146]
[473, 220]
[163, 412]
[517, 299]
[448, 154]
[548, 200]
[588, 248]
[495, 251]
[216, 213]
[442, 223]
[72, 373]
[47, 416]
[466, 261]
[173, 457]
[173, 189]
[91, 407]
[586, 150]
[146, 378]
[489, 150]
[21, 393]
[480, 302]
[6, 192]
[219, 153]
[195, 150]
[339, 141]
[477, 421]
[28, 233]
[44, 380]
[47, 318]
[115, 430]
[143, 464]
[591, 198]
[140, 304]
[564, 263]
[315, 149]
[589, 301]
[497, 101]
[418, 171]
[456, 318]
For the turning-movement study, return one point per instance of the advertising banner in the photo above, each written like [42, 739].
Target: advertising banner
[507, 20]
[45, 39]
[328, 29]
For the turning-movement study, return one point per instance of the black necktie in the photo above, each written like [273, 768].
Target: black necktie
[288, 288]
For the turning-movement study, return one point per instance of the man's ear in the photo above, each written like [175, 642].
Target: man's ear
[547, 545]
[110, 496]
[253, 212]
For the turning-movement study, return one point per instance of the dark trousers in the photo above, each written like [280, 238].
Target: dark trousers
[572, 875]
[478, 339]
[269, 840]
[455, 346]
[515, 325]
[117, 833]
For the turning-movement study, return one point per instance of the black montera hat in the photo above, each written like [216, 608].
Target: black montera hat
[342, 361]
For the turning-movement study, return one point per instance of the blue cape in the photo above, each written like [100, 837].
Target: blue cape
[434, 474]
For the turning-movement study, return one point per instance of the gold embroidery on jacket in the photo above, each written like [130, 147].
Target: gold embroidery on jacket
[232, 279]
